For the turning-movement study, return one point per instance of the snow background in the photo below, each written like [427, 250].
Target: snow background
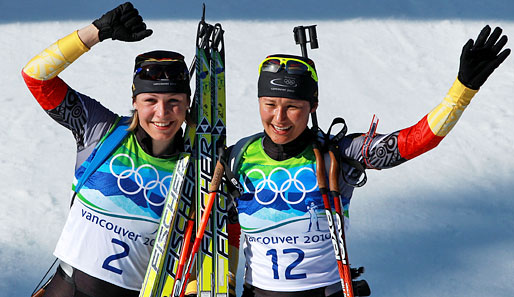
[439, 225]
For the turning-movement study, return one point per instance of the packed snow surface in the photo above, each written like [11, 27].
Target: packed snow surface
[439, 225]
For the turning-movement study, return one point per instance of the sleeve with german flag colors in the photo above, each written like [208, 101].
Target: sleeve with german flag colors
[428, 132]
[40, 74]
[382, 151]
[87, 119]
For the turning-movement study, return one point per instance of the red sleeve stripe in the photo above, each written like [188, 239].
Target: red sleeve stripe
[416, 140]
[432, 128]
[48, 93]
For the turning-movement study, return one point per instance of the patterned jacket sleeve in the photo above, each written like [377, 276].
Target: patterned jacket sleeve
[389, 150]
[86, 118]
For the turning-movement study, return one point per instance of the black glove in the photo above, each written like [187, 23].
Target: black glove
[478, 60]
[122, 23]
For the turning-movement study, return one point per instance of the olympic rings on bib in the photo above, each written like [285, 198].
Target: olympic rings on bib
[149, 187]
[270, 184]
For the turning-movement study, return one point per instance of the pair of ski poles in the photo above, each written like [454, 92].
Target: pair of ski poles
[336, 229]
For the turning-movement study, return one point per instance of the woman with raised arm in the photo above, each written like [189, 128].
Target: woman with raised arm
[105, 245]
[284, 254]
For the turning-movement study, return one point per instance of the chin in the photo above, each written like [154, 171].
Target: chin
[163, 137]
[281, 140]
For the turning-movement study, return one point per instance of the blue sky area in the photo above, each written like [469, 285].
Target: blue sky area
[32, 10]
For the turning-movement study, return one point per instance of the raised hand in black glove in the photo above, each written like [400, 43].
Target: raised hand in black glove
[122, 23]
[479, 59]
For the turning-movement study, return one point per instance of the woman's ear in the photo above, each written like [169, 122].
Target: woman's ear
[134, 102]
[314, 107]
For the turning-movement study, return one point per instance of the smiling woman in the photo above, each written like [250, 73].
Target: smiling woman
[160, 99]
[284, 119]
[106, 242]
[161, 116]
[280, 211]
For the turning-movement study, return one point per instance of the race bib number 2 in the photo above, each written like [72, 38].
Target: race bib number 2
[107, 264]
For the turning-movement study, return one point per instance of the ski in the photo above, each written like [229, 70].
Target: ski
[173, 221]
[210, 250]
[212, 258]
[192, 256]
[179, 248]
[180, 202]
[220, 211]
[204, 166]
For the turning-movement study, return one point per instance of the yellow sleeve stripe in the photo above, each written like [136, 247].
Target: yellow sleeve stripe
[54, 59]
[444, 117]
[72, 47]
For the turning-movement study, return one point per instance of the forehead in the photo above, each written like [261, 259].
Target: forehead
[283, 100]
[163, 96]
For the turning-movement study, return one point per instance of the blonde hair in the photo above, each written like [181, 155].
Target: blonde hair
[134, 121]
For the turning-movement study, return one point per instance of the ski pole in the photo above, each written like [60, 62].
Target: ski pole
[334, 191]
[40, 290]
[213, 190]
[301, 39]
[320, 176]
[186, 250]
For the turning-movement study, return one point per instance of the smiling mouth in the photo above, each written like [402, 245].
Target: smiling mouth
[162, 124]
[281, 129]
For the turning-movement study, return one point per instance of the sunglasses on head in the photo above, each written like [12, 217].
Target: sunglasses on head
[176, 71]
[290, 65]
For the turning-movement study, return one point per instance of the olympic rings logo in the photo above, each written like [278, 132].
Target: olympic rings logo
[289, 81]
[151, 186]
[268, 183]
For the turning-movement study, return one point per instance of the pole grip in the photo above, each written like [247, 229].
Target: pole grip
[217, 177]
[320, 170]
[333, 174]
[313, 37]
[301, 39]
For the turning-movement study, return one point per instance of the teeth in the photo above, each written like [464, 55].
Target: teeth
[162, 124]
[282, 128]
